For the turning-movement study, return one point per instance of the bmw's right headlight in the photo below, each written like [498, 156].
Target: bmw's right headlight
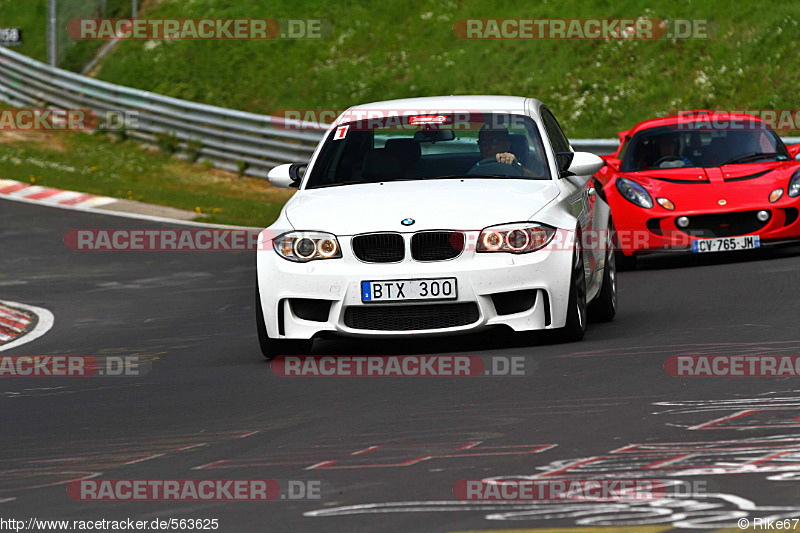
[303, 246]
[634, 193]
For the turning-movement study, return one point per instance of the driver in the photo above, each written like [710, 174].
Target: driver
[495, 143]
[668, 150]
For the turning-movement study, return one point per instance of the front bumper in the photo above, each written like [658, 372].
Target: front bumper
[655, 230]
[287, 287]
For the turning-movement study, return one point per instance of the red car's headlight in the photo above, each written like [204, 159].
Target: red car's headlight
[634, 192]
[515, 238]
[794, 184]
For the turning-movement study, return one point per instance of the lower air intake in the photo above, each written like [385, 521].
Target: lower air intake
[411, 317]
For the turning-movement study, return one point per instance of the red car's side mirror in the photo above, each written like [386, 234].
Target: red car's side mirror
[794, 150]
[612, 162]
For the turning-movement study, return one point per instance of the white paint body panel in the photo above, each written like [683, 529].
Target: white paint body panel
[448, 204]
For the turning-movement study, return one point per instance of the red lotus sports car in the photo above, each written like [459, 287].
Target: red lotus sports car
[701, 182]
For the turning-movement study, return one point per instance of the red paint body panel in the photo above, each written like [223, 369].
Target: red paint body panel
[699, 191]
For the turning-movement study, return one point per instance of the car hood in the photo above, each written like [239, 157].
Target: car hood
[694, 189]
[724, 174]
[468, 204]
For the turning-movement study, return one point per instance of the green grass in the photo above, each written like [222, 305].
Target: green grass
[31, 17]
[384, 50]
[94, 164]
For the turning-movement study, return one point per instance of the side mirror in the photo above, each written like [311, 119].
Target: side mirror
[563, 161]
[578, 163]
[612, 162]
[288, 175]
[794, 151]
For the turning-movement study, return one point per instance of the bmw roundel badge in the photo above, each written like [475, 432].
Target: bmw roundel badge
[407, 221]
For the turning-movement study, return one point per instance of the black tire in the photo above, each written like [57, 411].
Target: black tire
[271, 348]
[575, 326]
[604, 307]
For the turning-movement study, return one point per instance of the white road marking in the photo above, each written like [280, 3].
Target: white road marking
[143, 459]
[189, 447]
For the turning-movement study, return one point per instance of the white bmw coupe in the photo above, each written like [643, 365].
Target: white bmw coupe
[433, 216]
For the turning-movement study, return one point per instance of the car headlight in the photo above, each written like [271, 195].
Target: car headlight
[634, 193]
[794, 184]
[515, 238]
[303, 246]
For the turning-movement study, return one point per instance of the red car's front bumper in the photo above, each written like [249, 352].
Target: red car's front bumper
[649, 230]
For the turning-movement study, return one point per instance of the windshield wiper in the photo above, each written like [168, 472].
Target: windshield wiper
[750, 156]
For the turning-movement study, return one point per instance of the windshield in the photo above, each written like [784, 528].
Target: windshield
[664, 147]
[438, 146]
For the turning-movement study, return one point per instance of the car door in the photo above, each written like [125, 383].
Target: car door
[579, 202]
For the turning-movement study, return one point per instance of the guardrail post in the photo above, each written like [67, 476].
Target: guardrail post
[52, 43]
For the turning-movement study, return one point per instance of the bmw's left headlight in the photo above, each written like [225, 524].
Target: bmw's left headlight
[515, 238]
[794, 184]
[303, 246]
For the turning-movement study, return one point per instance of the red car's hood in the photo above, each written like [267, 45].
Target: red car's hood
[740, 186]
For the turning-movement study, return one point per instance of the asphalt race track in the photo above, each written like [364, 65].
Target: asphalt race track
[211, 407]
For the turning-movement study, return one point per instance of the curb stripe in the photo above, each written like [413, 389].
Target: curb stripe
[27, 189]
[13, 188]
[44, 323]
[16, 325]
[87, 203]
[43, 194]
[82, 197]
[13, 323]
[9, 313]
[18, 189]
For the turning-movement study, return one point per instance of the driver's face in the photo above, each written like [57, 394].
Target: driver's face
[667, 148]
[491, 145]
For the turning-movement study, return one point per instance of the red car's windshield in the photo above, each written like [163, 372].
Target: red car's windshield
[665, 147]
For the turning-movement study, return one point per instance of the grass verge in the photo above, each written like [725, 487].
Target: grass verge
[95, 164]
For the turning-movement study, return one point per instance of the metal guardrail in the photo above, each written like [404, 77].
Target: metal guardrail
[225, 137]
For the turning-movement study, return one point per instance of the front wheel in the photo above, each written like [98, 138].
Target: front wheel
[604, 307]
[271, 348]
[575, 326]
